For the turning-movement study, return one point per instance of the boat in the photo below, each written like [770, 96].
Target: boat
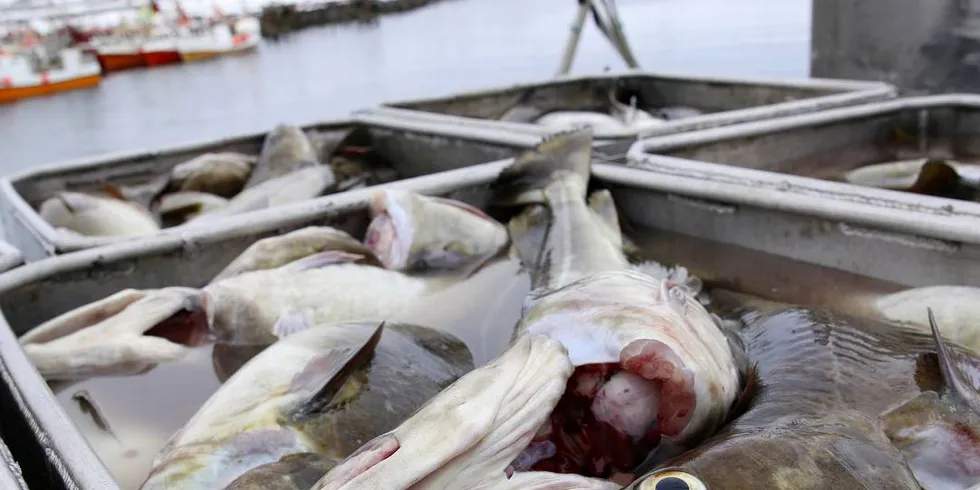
[220, 39]
[117, 54]
[29, 73]
[159, 51]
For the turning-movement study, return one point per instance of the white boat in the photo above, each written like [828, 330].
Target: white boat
[31, 72]
[220, 39]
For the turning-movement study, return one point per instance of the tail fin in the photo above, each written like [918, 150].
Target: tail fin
[558, 157]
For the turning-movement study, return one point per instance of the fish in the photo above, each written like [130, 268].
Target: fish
[840, 402]
[303, 184]
[325, 390]
[277, 251]
[956, 307]
[355, 162]
[467, 436]
[97, 216]
[261, 306]
[179, 207]
[123, 334]
[563, 120]
[929, 176]
[412, 232]
[654, 372]
[221, 174]
[630, 115]
[285, 150]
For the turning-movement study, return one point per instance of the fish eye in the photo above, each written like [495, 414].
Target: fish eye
[673, 480]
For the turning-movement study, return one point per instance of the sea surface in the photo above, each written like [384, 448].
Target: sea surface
[326, 72]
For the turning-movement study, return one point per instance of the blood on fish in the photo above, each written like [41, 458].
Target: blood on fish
[584, 445]
[185, 327]
[655, 361]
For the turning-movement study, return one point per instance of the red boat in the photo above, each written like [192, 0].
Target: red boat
[160, 51]
[119, 56]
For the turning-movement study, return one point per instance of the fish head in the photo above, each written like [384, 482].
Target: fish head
[410, 231]
[788, 452]
[654, 372]
[471, 433]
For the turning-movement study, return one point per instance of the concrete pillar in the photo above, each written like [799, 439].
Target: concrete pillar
[921, 46]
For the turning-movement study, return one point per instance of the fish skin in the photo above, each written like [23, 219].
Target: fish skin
[957, 309]
[108, 337]
[179, 207]
[587, 295]
[292, 472]
[412, 232]
[243, 309]
[833, 394]
[97, 216]
[285, 150]
[302, 184]
[221, 174]
[325, 390]
[902, 175]
[493, 412]
[277, 251]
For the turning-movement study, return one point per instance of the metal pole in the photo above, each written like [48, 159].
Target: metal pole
[570, 47]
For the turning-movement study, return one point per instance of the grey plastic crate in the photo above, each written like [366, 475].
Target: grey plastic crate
[725, 100]
[825, 145]
[414, 148]
[897, 237]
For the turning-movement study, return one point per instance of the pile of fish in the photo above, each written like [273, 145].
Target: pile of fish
[619, 116]
[939, 177]
[617, 375]
[290, 168]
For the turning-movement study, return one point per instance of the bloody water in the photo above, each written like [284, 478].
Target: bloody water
[143, 411]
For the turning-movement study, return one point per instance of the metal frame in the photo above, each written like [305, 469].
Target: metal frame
[839, 93]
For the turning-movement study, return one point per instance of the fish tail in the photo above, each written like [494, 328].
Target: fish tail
[563, 156]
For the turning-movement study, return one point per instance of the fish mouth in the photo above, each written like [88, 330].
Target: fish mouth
[390, 233]
[613, 415]
[189, 324]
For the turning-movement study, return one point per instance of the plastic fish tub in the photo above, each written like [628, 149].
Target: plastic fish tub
[903, 238]
[413, 148]
[724, 100]
[827, 144]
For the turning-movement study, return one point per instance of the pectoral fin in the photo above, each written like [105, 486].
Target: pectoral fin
[329, 373]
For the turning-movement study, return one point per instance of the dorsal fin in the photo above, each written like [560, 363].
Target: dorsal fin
[340, 364]
[113, 191]
[961, 373]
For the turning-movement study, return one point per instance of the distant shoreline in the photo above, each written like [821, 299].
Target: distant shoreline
[278, 20]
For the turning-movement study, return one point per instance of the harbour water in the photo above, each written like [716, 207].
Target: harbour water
[448, 47]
